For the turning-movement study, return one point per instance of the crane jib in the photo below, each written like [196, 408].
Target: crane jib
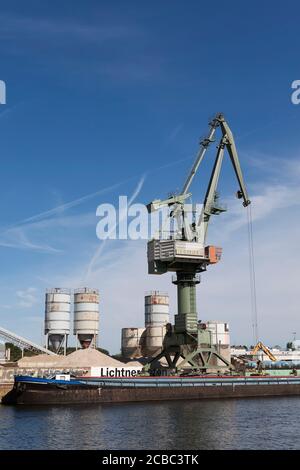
[197, 231]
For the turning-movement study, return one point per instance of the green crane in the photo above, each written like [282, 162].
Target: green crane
[184, 252]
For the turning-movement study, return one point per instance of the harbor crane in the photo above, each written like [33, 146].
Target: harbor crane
[184, 252]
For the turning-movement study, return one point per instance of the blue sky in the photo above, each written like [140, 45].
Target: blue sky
[101, 94]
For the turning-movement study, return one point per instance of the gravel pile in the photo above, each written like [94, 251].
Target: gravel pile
[89, 358]
[41, 360]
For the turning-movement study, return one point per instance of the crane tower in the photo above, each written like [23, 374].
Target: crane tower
[184, 252]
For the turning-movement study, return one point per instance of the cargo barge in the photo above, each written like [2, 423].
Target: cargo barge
[41, 391]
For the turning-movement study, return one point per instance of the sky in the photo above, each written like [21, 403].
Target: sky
[111, 98]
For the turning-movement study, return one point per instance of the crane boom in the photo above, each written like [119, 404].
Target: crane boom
[230, 144]
[204, 145]
[178, 200]
[198, 233]
[210, 205]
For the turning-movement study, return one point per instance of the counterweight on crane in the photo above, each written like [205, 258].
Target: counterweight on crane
[185, 252]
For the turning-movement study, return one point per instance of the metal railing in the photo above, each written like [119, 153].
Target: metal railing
[185, 382]
[58, 290]
[86, 290]
[157, 293]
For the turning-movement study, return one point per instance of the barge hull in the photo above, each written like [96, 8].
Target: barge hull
[50, 394]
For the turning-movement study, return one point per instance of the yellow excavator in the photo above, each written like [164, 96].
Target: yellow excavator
[261, 347]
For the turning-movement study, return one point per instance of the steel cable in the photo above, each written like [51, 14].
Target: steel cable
[252, 277]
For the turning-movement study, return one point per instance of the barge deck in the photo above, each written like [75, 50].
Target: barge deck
[39, 391]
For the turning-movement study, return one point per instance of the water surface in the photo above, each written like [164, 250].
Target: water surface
[254, 423]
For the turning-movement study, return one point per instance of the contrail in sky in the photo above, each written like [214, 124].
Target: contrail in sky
[63, 207]
[102, 246]
[77, 202]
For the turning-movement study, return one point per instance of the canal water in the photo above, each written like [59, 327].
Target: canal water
[255, 423]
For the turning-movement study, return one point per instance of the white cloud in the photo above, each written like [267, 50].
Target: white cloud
[264, 203]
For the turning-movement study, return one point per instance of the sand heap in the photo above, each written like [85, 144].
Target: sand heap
[41, 360]
[81, 359]
[84, 358]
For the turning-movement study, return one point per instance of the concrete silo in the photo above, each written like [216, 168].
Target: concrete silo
[133, 340]
[156, 317]
[86, 316]
[57, 318]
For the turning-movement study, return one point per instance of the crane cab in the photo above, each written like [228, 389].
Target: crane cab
[176, 255]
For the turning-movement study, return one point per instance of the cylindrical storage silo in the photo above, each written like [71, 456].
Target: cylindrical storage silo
[86, 316]
[132, 342]
[156, 309]
[57, 317]
[154, 340]
[156, 318]
[220, 338]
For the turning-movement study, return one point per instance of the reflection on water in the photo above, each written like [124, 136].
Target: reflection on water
[262, 423]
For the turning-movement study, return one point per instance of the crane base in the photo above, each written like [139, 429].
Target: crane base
[200, 359]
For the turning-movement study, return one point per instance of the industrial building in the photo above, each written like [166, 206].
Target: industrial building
[220, 338]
